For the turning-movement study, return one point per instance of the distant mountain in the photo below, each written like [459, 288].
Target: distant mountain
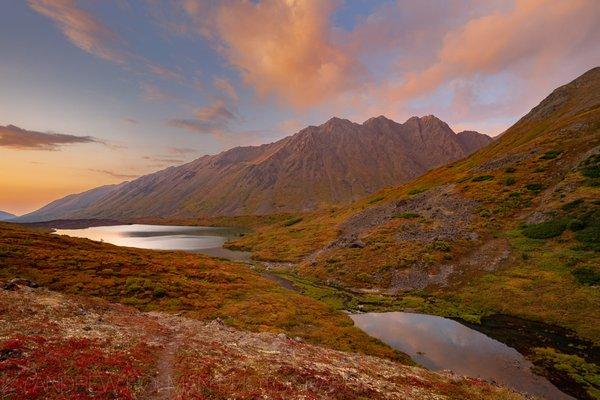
[336, 162]
[4, 216]
[61, 208]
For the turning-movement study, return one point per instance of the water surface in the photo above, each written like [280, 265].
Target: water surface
[199, 239]
[439, 343]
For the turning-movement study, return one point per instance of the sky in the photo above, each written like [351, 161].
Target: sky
[95, 92]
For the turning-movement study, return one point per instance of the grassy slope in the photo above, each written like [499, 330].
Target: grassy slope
[537, 171]
[54, 346]
[199, 287]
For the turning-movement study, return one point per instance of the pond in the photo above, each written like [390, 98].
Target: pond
[198, 239]
[443, 344]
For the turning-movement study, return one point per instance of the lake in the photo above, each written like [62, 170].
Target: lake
[198, 239]
[443, 344]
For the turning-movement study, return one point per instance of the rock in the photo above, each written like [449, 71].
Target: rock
[12, 285]
[282, 336]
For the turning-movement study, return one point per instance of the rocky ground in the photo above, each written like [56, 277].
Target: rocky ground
[54, 346]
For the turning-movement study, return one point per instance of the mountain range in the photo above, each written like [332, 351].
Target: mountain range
[336, 162]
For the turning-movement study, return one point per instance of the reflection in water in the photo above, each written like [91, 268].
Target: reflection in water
[200, 239]
[440, 343]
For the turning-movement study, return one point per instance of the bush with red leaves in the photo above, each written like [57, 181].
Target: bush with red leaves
[35, 367]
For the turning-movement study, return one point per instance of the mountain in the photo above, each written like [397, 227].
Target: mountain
[336, 162]
[4, 216]
[62, 207]
[508, 237]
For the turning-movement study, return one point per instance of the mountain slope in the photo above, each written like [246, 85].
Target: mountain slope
[513, 229]
[62, 207]
[333, 163]
[6, 216]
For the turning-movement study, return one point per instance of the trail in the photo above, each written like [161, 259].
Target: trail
[163, 385]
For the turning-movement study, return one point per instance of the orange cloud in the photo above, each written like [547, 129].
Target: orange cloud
[531, 37]
[284, 48]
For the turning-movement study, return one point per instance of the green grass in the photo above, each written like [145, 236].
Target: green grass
[545, 230]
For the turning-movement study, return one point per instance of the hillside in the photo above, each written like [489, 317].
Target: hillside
[336, 162]
[5, 216]
[513, 229]
[56, 347]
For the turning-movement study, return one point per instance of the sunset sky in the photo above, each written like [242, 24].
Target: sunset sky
[96, 92]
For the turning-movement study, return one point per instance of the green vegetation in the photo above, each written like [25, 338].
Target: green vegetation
[534, 187]
[481, 178]
[549, 155]
[585, 374]
[407, 215]
[292, 221]
[509, 180]
[545, 230]
[590, 168]
[587, 276]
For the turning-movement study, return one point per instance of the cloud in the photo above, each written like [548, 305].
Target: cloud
[529, 38]
[285, 48]
[14, 137]
[152, 92]
[113, 174]
[181, 150]
[213, 119]
[130, 120]
[88, 33]
[82, 28]
[225, 86]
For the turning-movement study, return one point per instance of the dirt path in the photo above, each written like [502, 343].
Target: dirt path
[163, 385]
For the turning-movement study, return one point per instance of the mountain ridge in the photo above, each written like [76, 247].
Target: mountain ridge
[335, 162]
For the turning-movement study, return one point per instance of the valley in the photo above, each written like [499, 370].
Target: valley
[503, 241]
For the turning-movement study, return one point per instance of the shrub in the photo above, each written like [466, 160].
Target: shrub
[441, 245]
[510, 170]
[590, 167]
[534, 187]
[481, 178]
[416, 191]
[549, 155]
[376, 199]
[545, 230]
[406, 215]
[292, 221]
[587, 276]
[575, 225]
[539, 169]
[159, 292]
[509, 181]
[572, 205]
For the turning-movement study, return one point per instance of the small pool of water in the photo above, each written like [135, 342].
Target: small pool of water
[199, 239]
[443, 344]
